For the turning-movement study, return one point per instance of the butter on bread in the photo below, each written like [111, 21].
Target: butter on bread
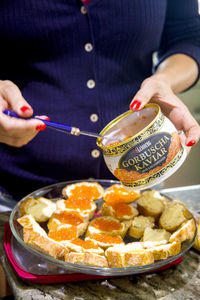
[151, 203]
[173, 216]
[120, 228]
[155, 235]
[118, 211]
[36, 238]
[90, 259]
[40, 208]
[184, 232]
[86, 214]
[132, 254]
[139, 224]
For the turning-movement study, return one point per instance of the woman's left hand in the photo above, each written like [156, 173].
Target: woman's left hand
[157, 89]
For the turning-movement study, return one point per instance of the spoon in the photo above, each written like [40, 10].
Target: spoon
[60, 127]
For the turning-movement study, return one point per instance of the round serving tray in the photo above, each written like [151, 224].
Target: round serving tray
[36, 262]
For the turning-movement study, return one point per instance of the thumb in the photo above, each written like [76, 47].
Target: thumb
[142, 97]
[13, 96]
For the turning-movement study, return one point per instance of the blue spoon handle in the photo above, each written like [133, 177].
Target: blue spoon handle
[53, 125]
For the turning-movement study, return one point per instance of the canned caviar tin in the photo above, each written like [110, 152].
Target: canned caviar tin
[143, 148]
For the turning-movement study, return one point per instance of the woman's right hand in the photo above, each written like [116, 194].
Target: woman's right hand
[13, 131]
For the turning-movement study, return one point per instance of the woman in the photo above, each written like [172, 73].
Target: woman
[81, 64]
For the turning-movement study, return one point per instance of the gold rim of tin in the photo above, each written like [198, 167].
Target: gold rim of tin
[119, 118]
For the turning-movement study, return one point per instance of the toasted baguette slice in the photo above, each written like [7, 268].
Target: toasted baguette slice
[164, 251]
[139, 258]
[132, 254]
[173, 216]
[156, 235]
[108, 225]
[79, 245]
[65, 217]
[139, 224]
[40, 208]
[105, 241]
[116, 254]
[36, 238]
[90, 259]
[151, 203]
[44, 244]
[185, 232]
[29, 222]
[87, 214]
[120, 211]
[90, 190]
[196, 244]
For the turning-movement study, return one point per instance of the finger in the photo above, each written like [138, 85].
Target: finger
[12, 95]
[191, 129]
[16, 127]
[142, 97]
[193, 136]
[43, 117]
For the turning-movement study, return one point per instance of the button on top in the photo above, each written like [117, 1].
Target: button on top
[83, 10]
[88, 47]
[95, 153]
[94, 118]
[90, 83]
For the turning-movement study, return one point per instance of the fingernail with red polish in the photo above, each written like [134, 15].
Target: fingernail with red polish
[135, 105]
[41, 127]
[47, 119]
[24, 108]
[191, 143]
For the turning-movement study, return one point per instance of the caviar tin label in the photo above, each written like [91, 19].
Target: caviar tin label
[147, 155]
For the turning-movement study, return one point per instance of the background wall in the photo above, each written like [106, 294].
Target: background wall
[189, 172]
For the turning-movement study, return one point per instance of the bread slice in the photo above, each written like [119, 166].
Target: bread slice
[40, 208]
[90, 259]
[156, 235]
[65, 217]
[173, 216]
[196, 244]
[36, 238]
[79, 245]
[105, 241]
[185, 232]
[138, 258]
[116, 193]
[139, 224]
[132, 254]
[151, 203]
[86, 214]
[164, 251]
[120, 211]
[89, 190]
[109, 226]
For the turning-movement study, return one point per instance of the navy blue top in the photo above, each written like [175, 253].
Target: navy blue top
[43, 51]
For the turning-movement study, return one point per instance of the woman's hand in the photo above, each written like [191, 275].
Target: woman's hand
[157, 89]
[13, 131]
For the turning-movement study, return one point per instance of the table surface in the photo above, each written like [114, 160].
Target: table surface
[179, 282]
